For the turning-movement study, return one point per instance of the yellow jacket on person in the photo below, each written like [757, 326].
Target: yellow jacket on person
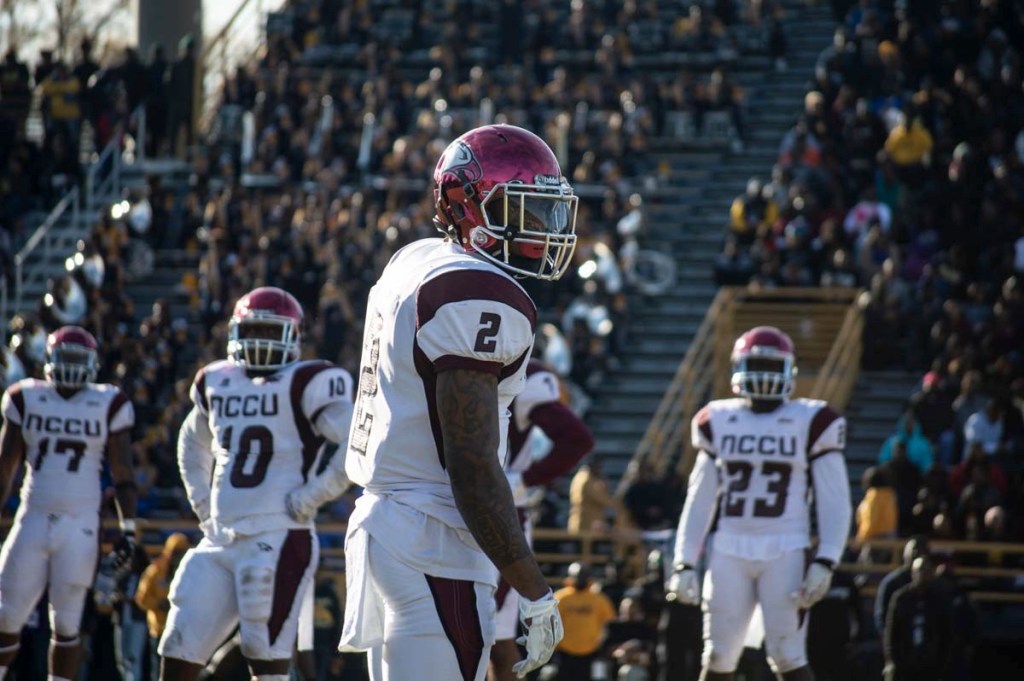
[877, 514]
[584, 614]
[155, 585]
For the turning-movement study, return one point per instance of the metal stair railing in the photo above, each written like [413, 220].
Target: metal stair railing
[102, 183]
[45, 239]
[667, 435]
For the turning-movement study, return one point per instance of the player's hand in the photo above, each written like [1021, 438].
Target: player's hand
[215, 533]
[816, 583]
[684, 586]
[298, 508]
[544, 630]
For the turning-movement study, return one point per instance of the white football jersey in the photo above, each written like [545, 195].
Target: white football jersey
[265, 443]
[541, 387]
[434, 307]
[763, 464]
[65, 441]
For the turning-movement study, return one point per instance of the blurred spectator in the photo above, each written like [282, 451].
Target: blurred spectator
[60, 103]
[590, 502]
[985, 428]
[154, 587]
[130, 628]
[327, 621]
[915, 445]
[933, 409]
[180, 86]
[965, 623]
[878, 512]
[15, 89]
[919, 628]
[648, 499]
[892, 582]
[906, 480]
[585, 613]
[630, 641]
[752, 212]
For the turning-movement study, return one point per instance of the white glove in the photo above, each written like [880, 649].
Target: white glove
[219, 536]
[684, 586]
[815, 586]
[299, 509]
[544, 630]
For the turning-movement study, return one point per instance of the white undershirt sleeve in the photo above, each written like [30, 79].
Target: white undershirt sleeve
[701, 493]
[195, 461]
[832, 500]
[332, 423]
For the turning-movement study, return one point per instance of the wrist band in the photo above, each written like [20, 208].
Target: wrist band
[826, 562]
[679, 567]
[128, 526]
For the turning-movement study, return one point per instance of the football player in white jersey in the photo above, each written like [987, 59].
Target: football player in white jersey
[760, 456]
[539, 406]
[248, 456]
[63, 428]
[448, 335]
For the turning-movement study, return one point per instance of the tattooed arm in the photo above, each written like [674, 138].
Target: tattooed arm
[468, 409]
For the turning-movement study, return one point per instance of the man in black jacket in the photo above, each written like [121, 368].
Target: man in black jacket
[919, 628]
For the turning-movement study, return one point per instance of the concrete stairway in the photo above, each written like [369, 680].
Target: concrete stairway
[687, 217]
[878, 400]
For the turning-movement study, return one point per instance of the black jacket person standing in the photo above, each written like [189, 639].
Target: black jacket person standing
[918, 628]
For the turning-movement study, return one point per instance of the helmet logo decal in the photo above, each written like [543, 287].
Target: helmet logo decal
[547, 180]
[463, 164]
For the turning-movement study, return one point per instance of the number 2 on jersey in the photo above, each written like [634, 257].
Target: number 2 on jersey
[62, 446]
[740, 474]
[246, 474]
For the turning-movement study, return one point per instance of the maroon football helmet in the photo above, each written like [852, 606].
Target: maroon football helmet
[265, 329]
[72, 359]
[763, 364]
[499, 191]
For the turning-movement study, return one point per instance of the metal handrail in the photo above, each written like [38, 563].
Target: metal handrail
[665, 437]
[837, 376]
[71, 200]
[99, 184]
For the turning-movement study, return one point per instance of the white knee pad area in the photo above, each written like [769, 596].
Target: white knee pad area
[255, 593]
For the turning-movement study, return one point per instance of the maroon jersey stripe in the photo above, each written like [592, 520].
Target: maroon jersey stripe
[825, 417]
[429, 378]
[704, 424]
[120, 399]
[201, 389]
[456, 362]
[17, 399]
[292, 562]
[462, 285]
[311, 442]
[455, 600]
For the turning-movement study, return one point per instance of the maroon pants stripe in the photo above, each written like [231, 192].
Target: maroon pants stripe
[292, 562]
[455, 600]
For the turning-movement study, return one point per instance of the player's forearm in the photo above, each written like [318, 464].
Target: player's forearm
[126, 497]
[195, 463]
[702, 490]
[12, 452]
[467, 403]
[832, 499]
[570, 442]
